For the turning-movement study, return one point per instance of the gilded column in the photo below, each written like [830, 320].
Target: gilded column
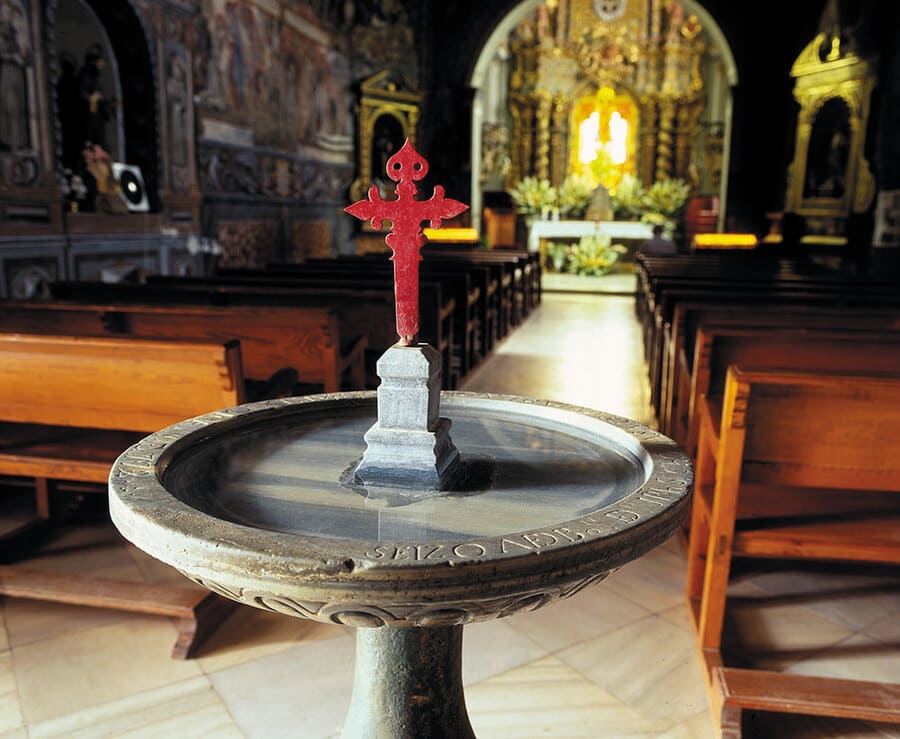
[542, 136]
[559, 140]
[683, 140]
[648, 139]
[665, 140]
[517, 165]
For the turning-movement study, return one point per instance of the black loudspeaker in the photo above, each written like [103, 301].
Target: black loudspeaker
[131, 186]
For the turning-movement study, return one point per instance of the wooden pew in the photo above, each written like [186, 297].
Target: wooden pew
[718, 346]
[366, 303]
[750, 294]
[485, 278]
[792, 434]
[522, 269]
[679, 335]
[469, 289]
[307, 339]
[663, 282]
[68, 407]
[369, 310]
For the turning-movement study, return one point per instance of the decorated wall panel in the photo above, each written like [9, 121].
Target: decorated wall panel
[240, 109]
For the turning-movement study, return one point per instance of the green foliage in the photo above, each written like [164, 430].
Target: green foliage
[666, 197]
[593, 255]
[659, 203]
[574, 195]
[658, 218]
[558, 253]
[627, 198]
[533, 196]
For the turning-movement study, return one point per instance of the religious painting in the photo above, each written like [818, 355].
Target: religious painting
[281, 74]
[276, 70]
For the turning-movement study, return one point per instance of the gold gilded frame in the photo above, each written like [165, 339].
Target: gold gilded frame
[824, 73]
[384, 93]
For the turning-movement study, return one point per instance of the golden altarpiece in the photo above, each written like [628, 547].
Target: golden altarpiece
[625, 72]
[829, 178]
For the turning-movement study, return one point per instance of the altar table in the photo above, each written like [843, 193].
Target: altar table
[576, 229]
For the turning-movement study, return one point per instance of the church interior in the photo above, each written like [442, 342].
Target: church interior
[685, 213]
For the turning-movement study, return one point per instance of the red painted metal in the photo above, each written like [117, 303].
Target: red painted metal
[406, 214]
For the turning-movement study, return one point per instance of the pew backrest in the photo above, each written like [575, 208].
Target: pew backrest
[106, 383]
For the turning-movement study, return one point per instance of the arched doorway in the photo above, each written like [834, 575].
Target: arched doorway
[672, 58]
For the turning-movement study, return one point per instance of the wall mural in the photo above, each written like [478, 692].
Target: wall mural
[286, 71]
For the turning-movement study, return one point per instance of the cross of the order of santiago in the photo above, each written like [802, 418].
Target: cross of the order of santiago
[406, 214]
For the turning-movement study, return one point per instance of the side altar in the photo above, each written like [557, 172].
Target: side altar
[549, 229]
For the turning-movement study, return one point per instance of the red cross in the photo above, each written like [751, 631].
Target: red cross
[406, 215]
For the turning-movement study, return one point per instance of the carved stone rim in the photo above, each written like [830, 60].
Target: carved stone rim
[233, 555]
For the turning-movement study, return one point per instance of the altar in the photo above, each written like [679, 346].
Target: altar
[541, 229]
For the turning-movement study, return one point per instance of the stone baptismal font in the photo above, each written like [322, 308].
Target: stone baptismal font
[407, 513]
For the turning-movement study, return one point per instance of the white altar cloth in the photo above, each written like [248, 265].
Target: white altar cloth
[576, 229]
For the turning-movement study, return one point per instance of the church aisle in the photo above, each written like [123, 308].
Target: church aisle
[577, 348]
[616, 660]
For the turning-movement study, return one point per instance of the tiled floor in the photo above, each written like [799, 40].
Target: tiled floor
[614, 661]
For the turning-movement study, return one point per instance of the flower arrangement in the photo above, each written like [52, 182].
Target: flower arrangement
[574, 195]
[592, 255]
[533, 196]
[659, 203]
[626, 199]
[558, 253]
[666, 196]
[654, 219]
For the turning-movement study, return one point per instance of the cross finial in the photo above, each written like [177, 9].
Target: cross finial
[406, 214]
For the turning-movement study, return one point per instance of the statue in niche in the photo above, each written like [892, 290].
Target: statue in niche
[387, 138]
[95, 109]
[828, 154]
[15, 56]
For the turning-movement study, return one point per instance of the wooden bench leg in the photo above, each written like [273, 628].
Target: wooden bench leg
[358, 373]
[42, 497]
[699, 532]
[209, 613]
[730, 722]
